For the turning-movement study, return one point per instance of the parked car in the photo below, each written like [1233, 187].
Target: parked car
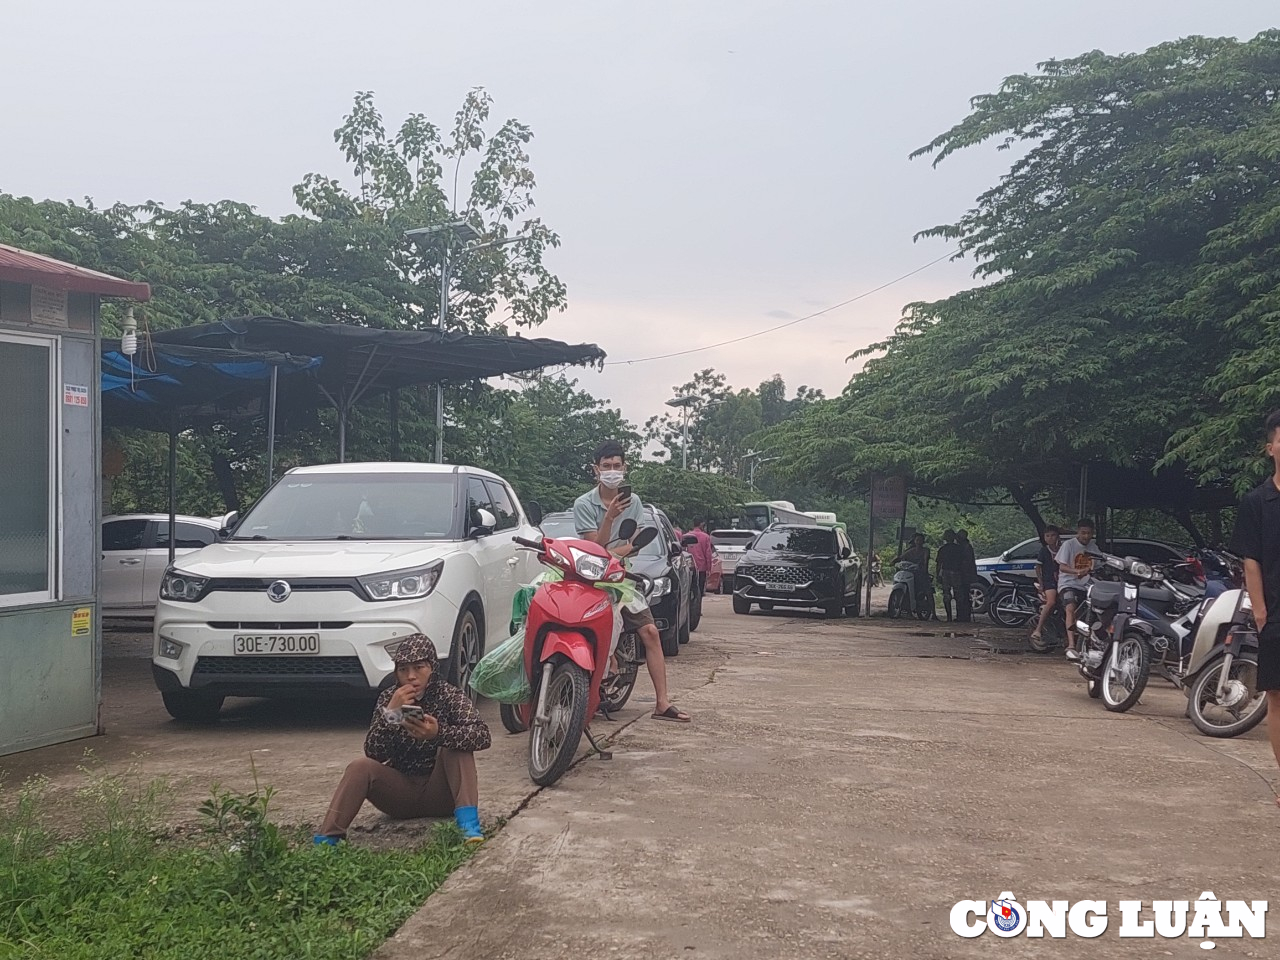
[799, 566]
[729, 546]
[670, 566]
[715, 575]
[135, 553]
[330, 570]
[1020, 559]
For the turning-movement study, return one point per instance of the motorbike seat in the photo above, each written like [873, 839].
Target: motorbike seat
[1012, 580]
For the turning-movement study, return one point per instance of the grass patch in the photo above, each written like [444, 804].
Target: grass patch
[242, 887]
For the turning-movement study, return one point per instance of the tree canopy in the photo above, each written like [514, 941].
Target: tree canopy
[1132, 270]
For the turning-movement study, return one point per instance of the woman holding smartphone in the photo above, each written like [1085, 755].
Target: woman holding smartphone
[419, 753]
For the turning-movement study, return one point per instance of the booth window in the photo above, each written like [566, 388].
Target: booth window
[27, 460]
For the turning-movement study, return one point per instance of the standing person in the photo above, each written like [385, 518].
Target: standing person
[1257, 540]
[415, 765]
[1075, 573]
[597, 515]
[950, 570]
[968, 576]
[702, 554]
[1047, 575]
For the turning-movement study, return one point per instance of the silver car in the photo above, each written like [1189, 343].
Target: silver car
[729, 546]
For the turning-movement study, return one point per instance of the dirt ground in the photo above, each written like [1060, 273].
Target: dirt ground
[843, 784]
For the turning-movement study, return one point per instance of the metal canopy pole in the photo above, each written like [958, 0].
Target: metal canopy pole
[395, 423]
[271, 423]
[342, 427]
[871, 542]
[443, 313]
[173, 486]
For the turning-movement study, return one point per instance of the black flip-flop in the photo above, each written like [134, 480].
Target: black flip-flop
[672, 715]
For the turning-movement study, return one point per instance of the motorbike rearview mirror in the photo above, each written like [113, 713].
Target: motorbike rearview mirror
[534, 509]
[627, 529]
[644, 537]
[689, 540]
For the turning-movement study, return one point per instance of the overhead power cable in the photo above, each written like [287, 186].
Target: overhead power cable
[789, 323]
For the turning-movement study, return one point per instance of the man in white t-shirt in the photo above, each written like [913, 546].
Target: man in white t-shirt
[1075, 572]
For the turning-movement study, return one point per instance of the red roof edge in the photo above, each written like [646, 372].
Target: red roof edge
[23, 266]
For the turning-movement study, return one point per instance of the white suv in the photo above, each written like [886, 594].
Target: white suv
[329, 571]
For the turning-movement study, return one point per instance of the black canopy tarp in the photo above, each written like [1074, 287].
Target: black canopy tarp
[358, 361]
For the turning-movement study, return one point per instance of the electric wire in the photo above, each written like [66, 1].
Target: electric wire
[789, 323]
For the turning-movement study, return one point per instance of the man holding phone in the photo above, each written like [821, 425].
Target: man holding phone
[597, 515]
[419, 753]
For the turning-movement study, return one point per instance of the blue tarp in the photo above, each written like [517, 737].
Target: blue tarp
[164, 381]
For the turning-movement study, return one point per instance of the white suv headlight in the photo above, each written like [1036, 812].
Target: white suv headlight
[587, 566]
[403, 584]
[182, 587]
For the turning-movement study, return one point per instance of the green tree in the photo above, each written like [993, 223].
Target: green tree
[688, 495]
[1131, 259]
[343, 258]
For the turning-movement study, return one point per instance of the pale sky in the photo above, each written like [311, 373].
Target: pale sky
[713, 168]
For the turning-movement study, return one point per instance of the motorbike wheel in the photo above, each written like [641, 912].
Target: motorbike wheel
[553, 744]
[895, 605]
[1003, 609]
[616, 691]
[510, 714]
[1125, 672]
[1223, 721]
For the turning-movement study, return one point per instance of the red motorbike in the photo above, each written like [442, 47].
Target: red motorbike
[567, 640]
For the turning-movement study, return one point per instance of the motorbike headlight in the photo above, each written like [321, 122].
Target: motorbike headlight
[661, 587]
[403, 584]
[588, 566]
[1140, 569]
[182, 587]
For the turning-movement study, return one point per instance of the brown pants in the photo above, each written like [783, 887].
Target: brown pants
[401, 796]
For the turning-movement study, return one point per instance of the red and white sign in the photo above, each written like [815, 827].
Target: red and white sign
[74, 395]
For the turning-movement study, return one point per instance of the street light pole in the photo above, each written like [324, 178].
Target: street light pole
[466, 234]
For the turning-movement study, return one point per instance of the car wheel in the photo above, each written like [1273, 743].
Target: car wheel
[979, 597]
[854, 607]
[191, 707]
[465, 651]
[695, 611]
[741, 604]
[834, 609]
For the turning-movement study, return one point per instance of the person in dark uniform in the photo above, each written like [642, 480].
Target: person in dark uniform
[950, 571]
[1047, 575]
[969, 573]
[1256, 539]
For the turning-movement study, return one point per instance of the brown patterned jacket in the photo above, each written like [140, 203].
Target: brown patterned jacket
[460, 729]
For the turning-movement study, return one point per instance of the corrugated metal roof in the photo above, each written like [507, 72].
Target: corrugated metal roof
[22, 266]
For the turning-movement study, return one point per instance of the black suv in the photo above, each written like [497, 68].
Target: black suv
[799, 566]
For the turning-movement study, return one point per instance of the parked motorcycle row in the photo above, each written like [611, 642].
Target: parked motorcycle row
[1188, 623]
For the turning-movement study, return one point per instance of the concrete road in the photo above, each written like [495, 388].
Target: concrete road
[843, 784]
[841, 787]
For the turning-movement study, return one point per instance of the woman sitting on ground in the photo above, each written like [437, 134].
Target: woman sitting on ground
[415, 766]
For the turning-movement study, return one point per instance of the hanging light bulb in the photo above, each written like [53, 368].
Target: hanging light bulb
[129, 342]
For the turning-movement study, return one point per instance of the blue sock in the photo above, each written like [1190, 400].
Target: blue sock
[468, 820]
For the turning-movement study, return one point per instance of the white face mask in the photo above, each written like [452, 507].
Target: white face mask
[612, 478]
